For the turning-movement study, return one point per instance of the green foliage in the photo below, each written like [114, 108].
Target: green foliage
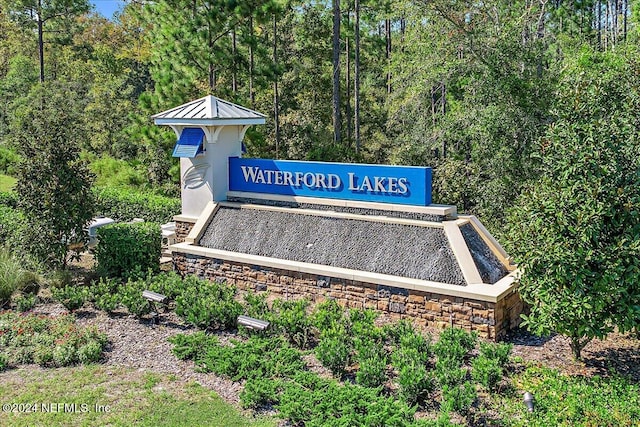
[189, 347]
[326, 314]
[455, 344]
[128, 250]
[124, 205]
[496, 351]
[411, 360]
[209, 305]
[104, 295]
[486, 371]
[14, 277]
[259, 392]
[8, 161]
[115, 173]
[585, 206]
[314, 401]
[255, 358]
[458, 397]
[372, 363]
[568, 401]
[291, 320]
[334, 350]
[3, 362]
[130, 295]
[8, 199]
[25, 302]
[72, 297]
[48, 341]
[53, 183]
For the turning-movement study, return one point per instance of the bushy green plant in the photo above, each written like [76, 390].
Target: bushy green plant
[291, 320]
[47, 340]
[255, 358]
[12, 224]
[43, 355]
[260, 392]
[188, 347]
[130, 295]
[209, 306]
[450, 372]
[25, 302]
[124, 205]
[171, 284]
[105, 294]
[65, 355]
[128, 250]
[372, 362]
[8, 199]
[455, 343]
[411, 359]
[486, 371]
[256, 306]
[496, 351]
[334, 350]
[314, 401]
[72, 297]
[458, 398]
[14, 277]
[91, 352]
[326, 314]
[3, 362]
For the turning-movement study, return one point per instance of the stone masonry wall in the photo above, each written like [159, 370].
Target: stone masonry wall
[490, 320]
[183, 229]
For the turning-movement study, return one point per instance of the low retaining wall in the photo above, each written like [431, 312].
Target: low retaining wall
[492, 320]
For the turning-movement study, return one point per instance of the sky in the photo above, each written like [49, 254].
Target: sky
[107, 7]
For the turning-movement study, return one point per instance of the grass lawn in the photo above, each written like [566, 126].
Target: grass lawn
[112, 396]
[6, 182]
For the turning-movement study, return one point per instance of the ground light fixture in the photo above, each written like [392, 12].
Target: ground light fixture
[528, 401]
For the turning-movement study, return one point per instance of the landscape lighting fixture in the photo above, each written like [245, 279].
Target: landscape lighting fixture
[528, 401]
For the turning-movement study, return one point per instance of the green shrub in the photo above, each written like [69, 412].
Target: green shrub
[12, 223]
[335, 349]
[256, 306]
[104, 294]
[14, 277]
[486, 371]
[8, 199]
[189, 347]
[60, 279]
[372, 361]
[458, 398]
[326, 314]
[3, 362]
[496, 351]
[455, 343]
[91, 352]
[8, 160]
[209, 306]
[312, 401]
[43, 355]
[124, 205]
[130, 295]
[171, 284]
[449, 372]
[128, 250]
[25, 302]
[65, 355]
[291, 320]
[260, 392]
[255, 358]
[72, 297]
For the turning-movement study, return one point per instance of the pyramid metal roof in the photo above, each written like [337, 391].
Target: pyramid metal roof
[209, 110]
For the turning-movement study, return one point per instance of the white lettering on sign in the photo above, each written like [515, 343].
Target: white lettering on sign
[330, 181]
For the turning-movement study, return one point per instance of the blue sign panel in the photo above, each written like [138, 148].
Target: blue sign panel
[406, 185]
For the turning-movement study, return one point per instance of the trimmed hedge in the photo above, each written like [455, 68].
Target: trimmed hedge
[124, 205]
[128, 250]
[9, 199]
[12, 222]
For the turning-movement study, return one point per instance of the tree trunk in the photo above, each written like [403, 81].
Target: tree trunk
[276, 97]
[234, 54]
[387, 32]
[577, 345]
[252, 90]
[41, 41]
[356, 83]
[336, 71]
[348, 91]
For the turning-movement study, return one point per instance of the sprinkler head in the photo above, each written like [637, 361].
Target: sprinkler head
[528, 401]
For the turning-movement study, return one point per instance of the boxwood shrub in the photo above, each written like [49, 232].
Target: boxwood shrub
[124, 205]
[128, 250]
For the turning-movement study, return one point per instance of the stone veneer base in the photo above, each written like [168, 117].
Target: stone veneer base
[491, 320]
